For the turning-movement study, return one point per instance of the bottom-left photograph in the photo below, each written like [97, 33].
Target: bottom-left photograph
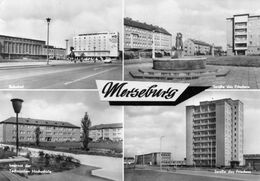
[59, 135]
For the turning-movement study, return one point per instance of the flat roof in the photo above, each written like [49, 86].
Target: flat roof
[101, 33]
[38, 122]
[6, 36]
[107, 126]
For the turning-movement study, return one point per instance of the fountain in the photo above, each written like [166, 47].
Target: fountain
[178, 67]
[178, 61]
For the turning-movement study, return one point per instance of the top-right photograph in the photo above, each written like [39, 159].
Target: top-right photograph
[201, 42]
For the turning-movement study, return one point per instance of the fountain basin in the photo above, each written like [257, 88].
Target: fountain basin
[186, 63]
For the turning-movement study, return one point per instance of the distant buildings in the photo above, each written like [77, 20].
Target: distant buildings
[139, 37]
[154, 158]
[97, 44]
[55, 53]
[51, 131]
[214, 133]
[18, 48]
[112, 132]
[243, 35]
[196, 47]
[252, 161]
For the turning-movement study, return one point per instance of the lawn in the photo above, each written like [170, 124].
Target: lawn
[244, 61]
[6, 154]
[150, 175]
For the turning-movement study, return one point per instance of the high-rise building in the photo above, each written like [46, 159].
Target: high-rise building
[140, 36]
[97, 44]
[243, 35]
[214, 133]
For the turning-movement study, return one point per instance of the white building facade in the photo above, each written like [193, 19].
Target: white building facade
[214, 133]
[112, 132]
[97, 44]
[243, 35]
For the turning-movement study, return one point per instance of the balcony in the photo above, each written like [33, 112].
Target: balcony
[239, 33]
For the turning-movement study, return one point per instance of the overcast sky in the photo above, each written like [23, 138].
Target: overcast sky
[26, 18]
[199, 19]
[67, 106]
[145, 125]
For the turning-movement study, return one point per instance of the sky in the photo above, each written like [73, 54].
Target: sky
[203, 20]
[69, 106]
[27, 18]
[145, 125]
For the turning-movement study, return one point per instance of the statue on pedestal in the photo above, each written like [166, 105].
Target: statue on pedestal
[179, 46]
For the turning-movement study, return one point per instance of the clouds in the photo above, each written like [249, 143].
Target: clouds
[27, 18]
[145, 125]
[60, 106]
[198, 19]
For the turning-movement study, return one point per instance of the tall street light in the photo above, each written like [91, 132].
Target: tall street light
[17, 105]
[48, 24]
[161, 152]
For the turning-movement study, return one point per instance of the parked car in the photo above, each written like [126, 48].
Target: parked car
[107, 60]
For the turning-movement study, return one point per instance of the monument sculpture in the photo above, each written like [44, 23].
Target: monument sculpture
[178, 61]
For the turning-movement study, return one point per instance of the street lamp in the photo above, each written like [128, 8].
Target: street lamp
[161, 152]
[153, 46]
[48, 24]
[94, 51]
[17, 105]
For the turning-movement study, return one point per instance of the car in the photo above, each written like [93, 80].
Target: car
[107, 60]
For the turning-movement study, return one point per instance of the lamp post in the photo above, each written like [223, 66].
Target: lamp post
[153, 46]
[161, 152]
[94, 51]
[48, 24]
[17, 105]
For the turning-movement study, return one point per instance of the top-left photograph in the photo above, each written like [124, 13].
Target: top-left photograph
[59, 44]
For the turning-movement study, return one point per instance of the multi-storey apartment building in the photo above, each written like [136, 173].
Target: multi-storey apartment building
[214, 133]
[140, 36]
[51, 131]
[97, 44]
[243, 35]
[154, 158]
[17, 47]
[112, 132]
[196, 47]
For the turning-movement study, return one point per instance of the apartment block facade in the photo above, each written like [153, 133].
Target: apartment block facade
[140, 36]
[194, 47]
[112, 132]
[103, 44]
[51, 131]
[154, 158]
[243, 35]
[214, 133]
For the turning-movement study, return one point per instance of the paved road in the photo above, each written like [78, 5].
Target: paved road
[238, 77]
[152, 175]
[70, 76]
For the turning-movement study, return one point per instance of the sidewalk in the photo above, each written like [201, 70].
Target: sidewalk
[40, 63]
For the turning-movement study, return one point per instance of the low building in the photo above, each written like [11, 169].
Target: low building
[103, 44]
[112, 132]
[51, 131]
[154, 158]
[139, 37]
[252, 161]
[194, 47]
[54, 52]
[16, 47]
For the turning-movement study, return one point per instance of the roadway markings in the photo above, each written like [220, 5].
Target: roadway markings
[92, 75]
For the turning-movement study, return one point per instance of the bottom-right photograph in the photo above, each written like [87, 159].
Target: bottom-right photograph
[212, 136]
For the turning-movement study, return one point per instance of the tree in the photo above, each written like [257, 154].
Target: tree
[37, 135]
[85, 125]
